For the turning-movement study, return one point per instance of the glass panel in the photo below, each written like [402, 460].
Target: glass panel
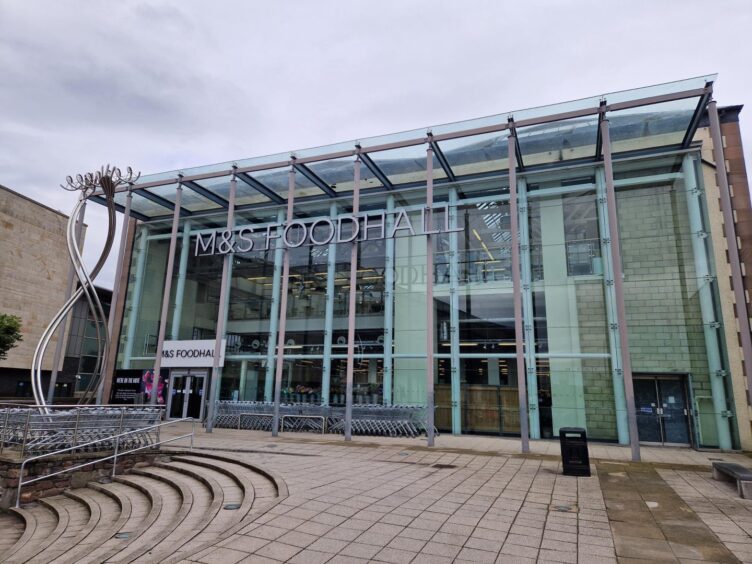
[143, 206]
[558, 141]
[674, 417]
[646, 404]
[301, 381]
[243, 380]
[406, 164]
[477, 154]
[244, 194]
[338, 173]
[276, 179]
[490, 401]
[189, 199]
[650, 126]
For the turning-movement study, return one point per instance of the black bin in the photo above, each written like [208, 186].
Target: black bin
[574, 451]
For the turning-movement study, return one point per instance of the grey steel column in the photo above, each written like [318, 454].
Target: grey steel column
[351, 308]
[177, 311]
[454, 314]
[274, 310]
[517, 296]
[224, 291]
[613, 224]
[733, 249]
[283, 304]
[166, 294]
[331, 269]
[389, 303]
[68, 292]
[113, 346]
[429, 300]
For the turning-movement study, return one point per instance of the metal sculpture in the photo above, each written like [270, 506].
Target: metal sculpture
[108, 179]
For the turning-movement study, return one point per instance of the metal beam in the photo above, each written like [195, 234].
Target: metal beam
[430, 399]
[376, 171]
[121, 209]
[441, 158]
[313, 177]
[208, 194]
[598, 138]
[260, 188]
[351, 308]
[517, 151]
[703, 102]
[162, 202]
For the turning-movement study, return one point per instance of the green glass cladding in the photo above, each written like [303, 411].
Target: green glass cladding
[573, 374]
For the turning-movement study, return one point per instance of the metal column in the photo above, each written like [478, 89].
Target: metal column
[166, 294]
[68, 292]
[705, 279]
[528, 313]
[224, 293]
[612, 316]
[429, 300]
[138, 287]
[177, 312]
[113, 347]
[283, 305]
[729, 230]
[351, 308]
[274, 311]
[388, 303]
[613, 224]
[517, 296]
[331, 271]
[454, 314]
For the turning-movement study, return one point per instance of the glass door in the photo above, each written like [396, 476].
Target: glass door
[176, 401]
[194, 392]
[662, 410]
[187, 393]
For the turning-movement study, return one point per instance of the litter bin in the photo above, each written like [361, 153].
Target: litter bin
[574, 451]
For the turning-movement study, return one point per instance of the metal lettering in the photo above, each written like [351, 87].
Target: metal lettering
[207, 248]
[292, 224]
[381, 226]
[328, 239]
[226, 243]
[355, 228]
[244, 237]
[396, 227]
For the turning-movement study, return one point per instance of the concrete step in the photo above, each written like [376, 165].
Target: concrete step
[107, 514]
[12, 526]
[41, 523]
[168, 507]
[74, 518]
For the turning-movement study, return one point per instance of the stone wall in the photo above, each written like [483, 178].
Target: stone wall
[10, 472]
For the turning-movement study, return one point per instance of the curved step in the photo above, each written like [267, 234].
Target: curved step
[41, 521]
[206, 503]
[108, 512]
[146, 505]
[74, 517]
[13, 526]
[173, 504]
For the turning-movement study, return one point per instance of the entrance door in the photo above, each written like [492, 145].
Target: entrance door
[187, 392]
[662, 410]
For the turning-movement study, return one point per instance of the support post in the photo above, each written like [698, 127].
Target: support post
[177, 312]
[224, 292]
[613, 223]
[143, 240]
[351, 307]
[63, 324]
[705, 280]
[166, 294]
[528, 314]
[389, 303]
[454, 314]
[274, 311]
[729, 230]
[283, 304]
[614, 347]
[331, 269]
[517, 296]
[429, 300]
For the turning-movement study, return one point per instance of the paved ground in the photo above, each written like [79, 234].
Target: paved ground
[477, 500]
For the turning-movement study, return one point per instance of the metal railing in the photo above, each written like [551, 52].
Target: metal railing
[114, 456]
[33, 431]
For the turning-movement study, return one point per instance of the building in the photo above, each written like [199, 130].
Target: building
[580, 264]
[33, 261]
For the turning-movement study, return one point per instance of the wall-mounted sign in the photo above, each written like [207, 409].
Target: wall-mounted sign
[323, 231]
[191, 354]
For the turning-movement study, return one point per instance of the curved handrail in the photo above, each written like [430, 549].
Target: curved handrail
[22, 482]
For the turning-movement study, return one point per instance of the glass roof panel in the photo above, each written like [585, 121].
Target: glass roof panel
[244, 194]
[339, 174]
[189, 200]
[406, 164]
[557, 141]
[476, 154]
[650, 126]
[275, 179]
[305, 187]
[142, 205]
[659, 89]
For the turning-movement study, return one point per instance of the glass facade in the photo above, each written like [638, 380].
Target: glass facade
[573, 363]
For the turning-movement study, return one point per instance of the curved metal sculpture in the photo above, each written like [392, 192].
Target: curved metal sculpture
[108, 179]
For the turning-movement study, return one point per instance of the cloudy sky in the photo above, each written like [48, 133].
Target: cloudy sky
[163, 85]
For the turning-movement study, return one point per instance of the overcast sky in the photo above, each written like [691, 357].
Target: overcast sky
[163, 85]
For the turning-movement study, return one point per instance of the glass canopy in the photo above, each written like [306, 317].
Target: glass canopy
[648, 118]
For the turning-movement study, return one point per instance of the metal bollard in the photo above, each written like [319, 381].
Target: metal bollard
[114, 460]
